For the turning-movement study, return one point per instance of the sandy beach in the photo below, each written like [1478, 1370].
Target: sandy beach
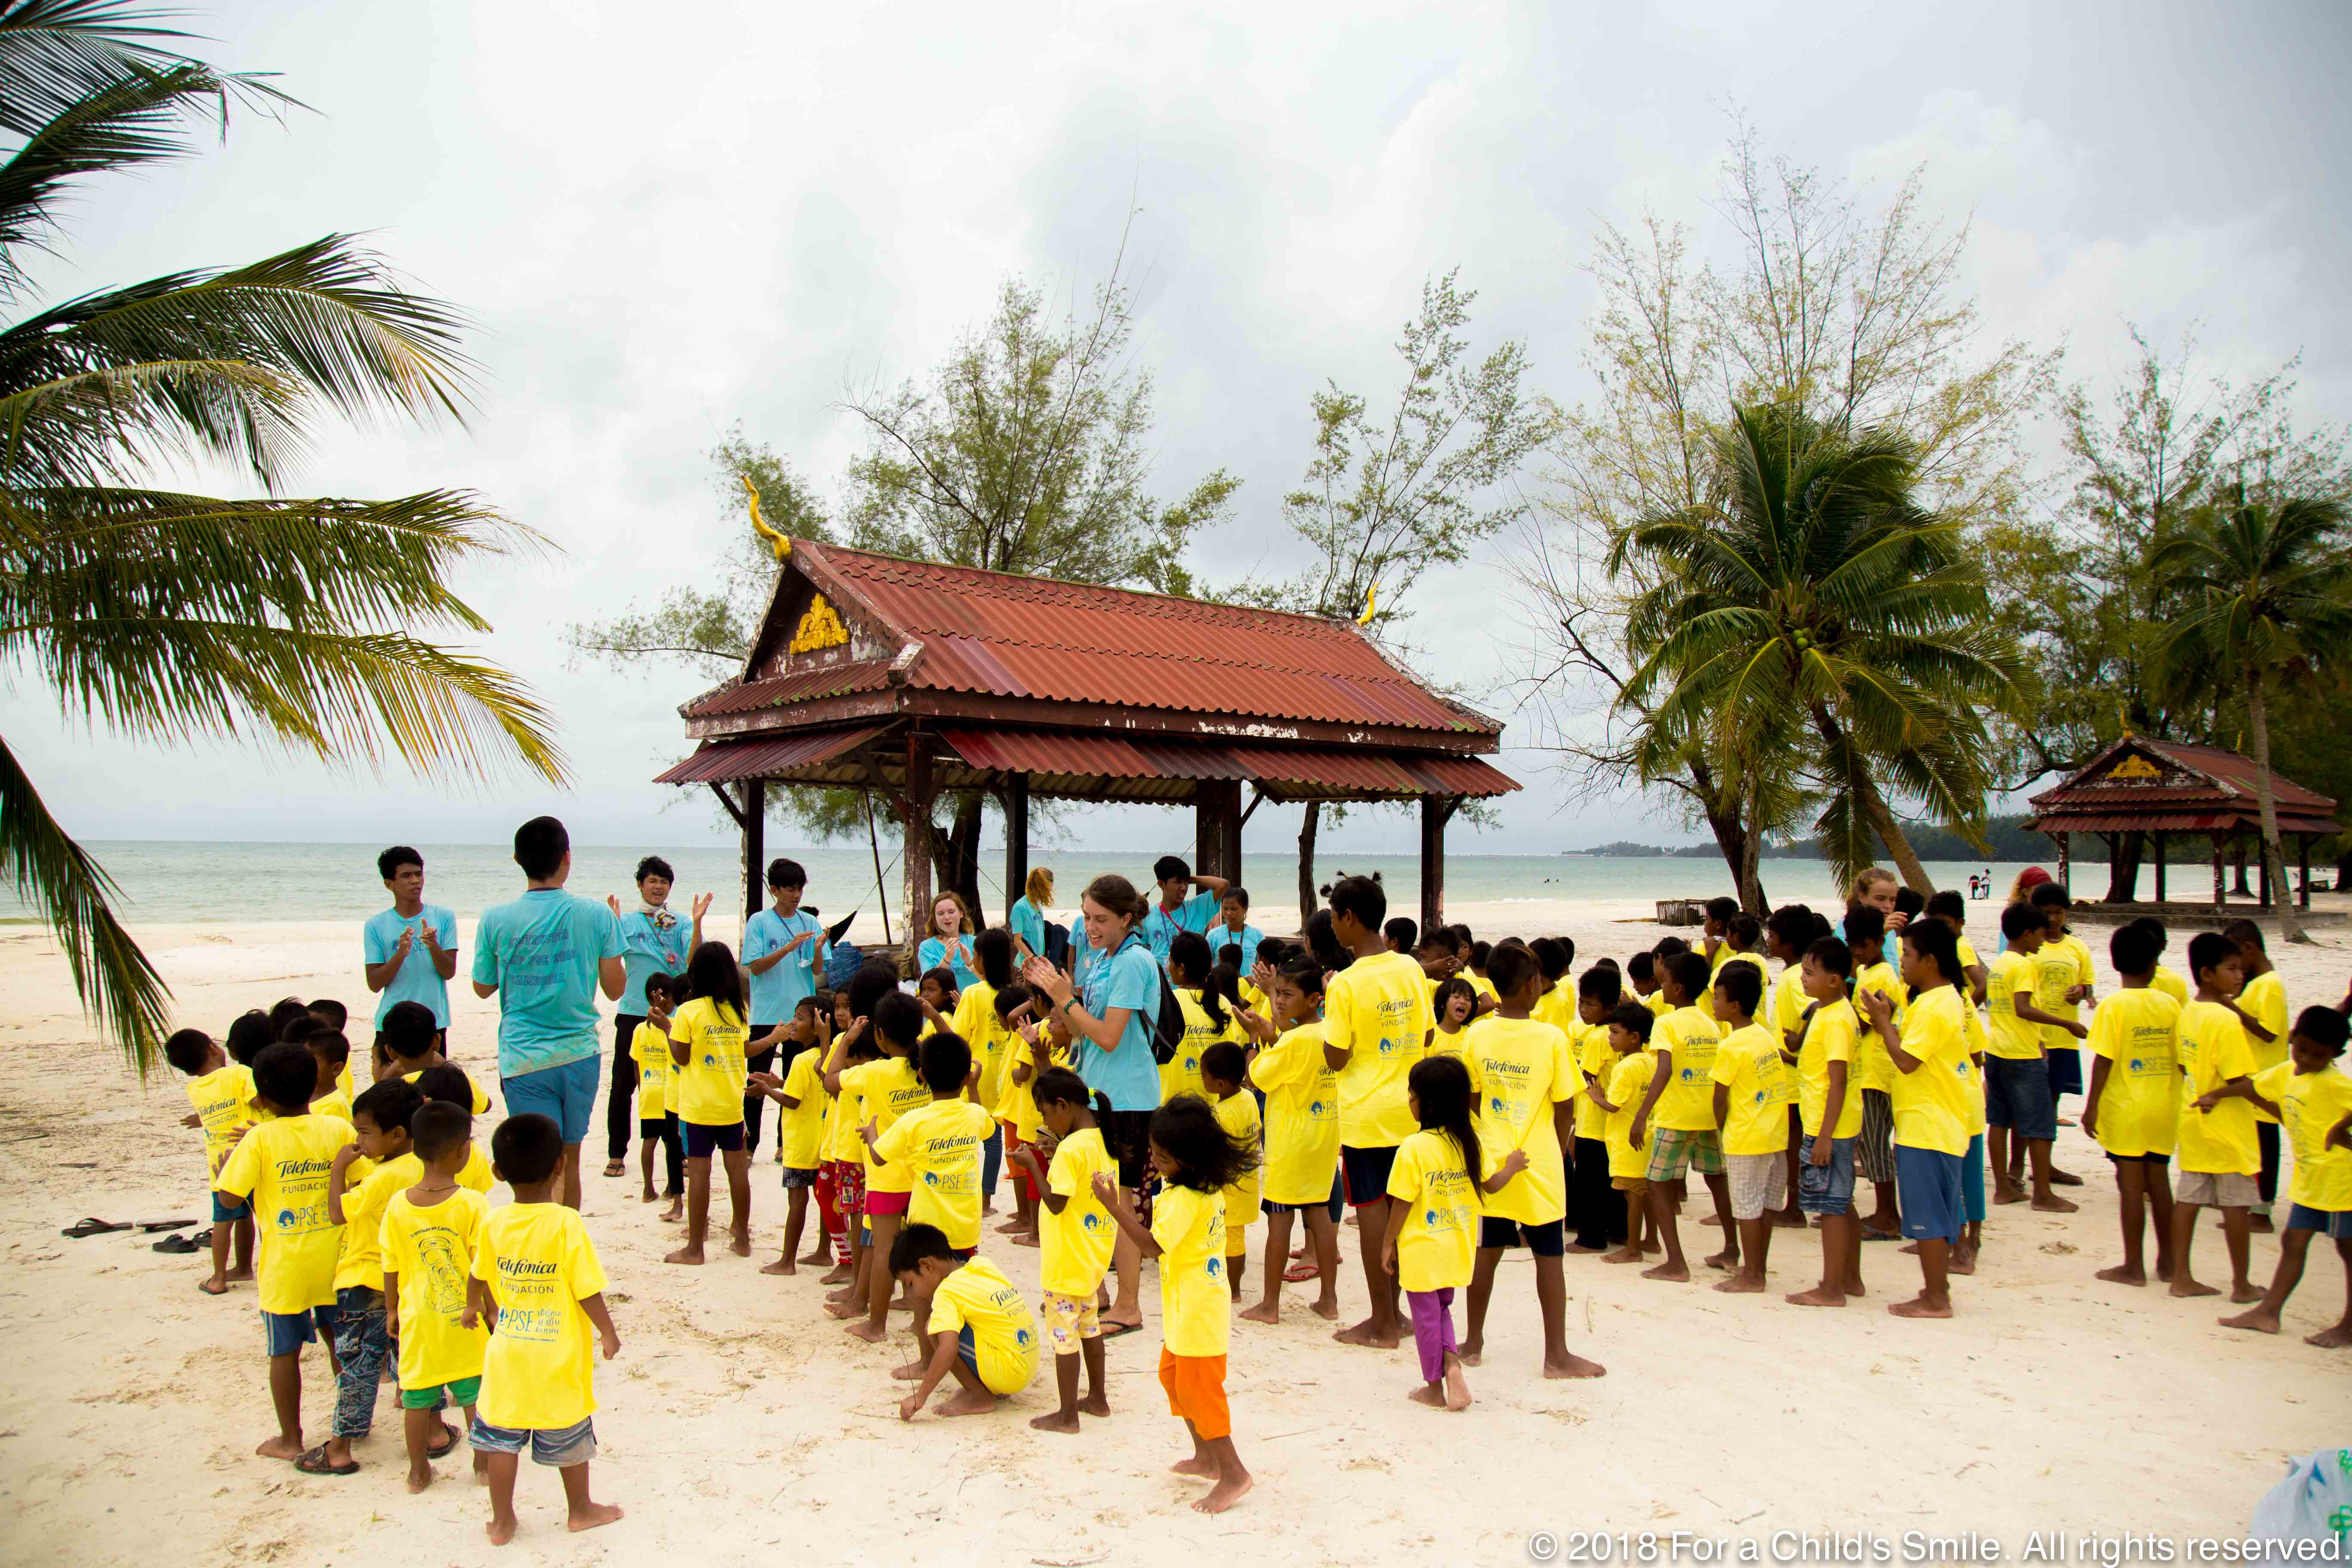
[740, 1425]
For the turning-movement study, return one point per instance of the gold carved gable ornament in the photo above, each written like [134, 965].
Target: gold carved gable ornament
[820, 627]
[2132, 768]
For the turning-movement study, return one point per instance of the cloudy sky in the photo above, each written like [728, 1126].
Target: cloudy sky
[666, 221]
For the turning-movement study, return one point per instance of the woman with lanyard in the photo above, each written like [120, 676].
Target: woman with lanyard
[948, 944]
[1110, 1030]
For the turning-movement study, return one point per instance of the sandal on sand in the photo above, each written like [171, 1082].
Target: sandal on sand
[449, 1441]
[152, 1226]
[1112, 1330]
[1299, 1273]
[92, 1225]
[617, 1167]
[314, 1463]
[176, 1243]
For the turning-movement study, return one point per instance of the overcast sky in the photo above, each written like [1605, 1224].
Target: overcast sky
[668, 221]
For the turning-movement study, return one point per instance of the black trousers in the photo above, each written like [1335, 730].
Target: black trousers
[1595, 1208]
[2266, 1135]
[620, 1114]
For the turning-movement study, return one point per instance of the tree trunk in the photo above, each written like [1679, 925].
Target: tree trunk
[2238, 871]
[1732, 836]
[1307, 902]
[1875, 811]
[955, 857]
[2274, 860]
[2124, 852]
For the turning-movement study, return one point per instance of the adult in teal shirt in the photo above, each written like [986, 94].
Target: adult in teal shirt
[1232, 929]
[658, 943]
[1026, 917]
[1179, 908]
[544, 956]
[409, 951]
[783, 951]
[947, 941]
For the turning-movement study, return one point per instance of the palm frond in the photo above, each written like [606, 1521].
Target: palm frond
[113, 423]
[53, 53]
[52, 873]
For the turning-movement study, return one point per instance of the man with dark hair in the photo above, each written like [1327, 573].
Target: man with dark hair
[1233, 926]
[1179, 908]
[544, 956]
[658, 943]
[783, 952]
[390, 942]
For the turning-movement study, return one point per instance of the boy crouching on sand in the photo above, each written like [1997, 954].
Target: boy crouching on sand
[537, 1281]
[973, 1322]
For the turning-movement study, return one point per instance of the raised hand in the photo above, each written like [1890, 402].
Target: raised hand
[612, 903]
[701, 904]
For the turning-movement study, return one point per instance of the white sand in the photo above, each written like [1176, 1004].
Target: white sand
[740, 1424]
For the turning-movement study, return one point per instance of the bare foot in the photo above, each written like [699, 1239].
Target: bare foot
[650, 1196]
[1264, 1312]
[783, 1266]
[814, 1259]
[1818, 1296]
[1853, 1287]
[1196, 1466]
[2122, 1274]
[1622, 1254]
[965, 1402]
[594, 1514]
[1472, 1355]
[1328, 1310]
[1918, 1306]
[1364, 1334]
[1574, 1366]
[2064, 1179]
[674, 1215]
[2005, 1193]
[1223, 1495]
[1910, 1251]
[1673, 1271]
[282, 1447]
[872, 1333]
[1723, 1259]
[2184, 1286]
[1027, 1238]
[1711, 1219]
[1788, 1219]
[213, 1287]
[1095, 1404]
[1457, 1387]
[1430, 1393]
[2164, 1271]
[2331, 1339]
[2241, 1294]
[1054, 1421]
[910, 1373]
[419, 1479]
[690, 1255]
[1962, 1264]
[2259, 1224]
[839, 1274]
[500, 1531]
[1740, 1285]
[2259, 1321]
[739, 1243]
[2053, 1204]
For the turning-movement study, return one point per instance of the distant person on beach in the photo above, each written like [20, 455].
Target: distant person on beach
[1179, 907]
[1232, 928]
[390, 943]
[947, 940]
[783, 951]
[544, 956]
[656, 945]
[1026, 917]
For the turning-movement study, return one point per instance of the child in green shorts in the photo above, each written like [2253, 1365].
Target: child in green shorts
[429, 1235]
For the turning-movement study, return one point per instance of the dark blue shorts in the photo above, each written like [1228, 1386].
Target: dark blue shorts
[2066, 1070]
[702, 1138]
[1825, 1189]
[1549, 1239]
[1367, 1170]
[284, 1333]
[227, 1210]
[2334, 1224]
[1928, 1185]
[563, 1094]
[2018, 1097]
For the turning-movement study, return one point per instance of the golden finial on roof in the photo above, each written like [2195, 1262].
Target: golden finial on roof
[780, 545]
[2122, 721]
[1366, 619]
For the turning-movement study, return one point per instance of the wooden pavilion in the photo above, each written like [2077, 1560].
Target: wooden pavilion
[2171, 789]
[906, 680]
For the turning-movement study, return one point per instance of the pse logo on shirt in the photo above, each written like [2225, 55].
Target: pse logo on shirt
[1497, 1105]
[930, 1178]
[1091, 1222]
[1215, 1265]
[1021, 1338]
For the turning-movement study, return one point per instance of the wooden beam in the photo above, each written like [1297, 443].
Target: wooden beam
[2302, 865]
[915, 811]
[729, 802]
[2262, 854]
[2158, 841]
[1016, 838]
[754, 819]
[2220, 894]
[1436, 810]
[1217, 828]
[2066, 865]
[1257, 797]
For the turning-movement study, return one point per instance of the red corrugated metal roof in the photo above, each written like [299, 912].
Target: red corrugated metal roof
[1095, 752]
[2238, 773]
[799, 686]
[728, 761]
[2070, 821]
[993, 632]
[2232, 788]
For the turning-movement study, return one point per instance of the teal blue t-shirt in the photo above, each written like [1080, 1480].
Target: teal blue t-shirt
[541, 951]
[1160, 926]
[658, 945]
[1127, 978]
[417, 981]
[1027, 922]
[1222, 936]
[779, 990]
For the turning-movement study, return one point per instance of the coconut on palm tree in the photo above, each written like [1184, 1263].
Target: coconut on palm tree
[1812, 619]
[172, 616]
[2268, 589]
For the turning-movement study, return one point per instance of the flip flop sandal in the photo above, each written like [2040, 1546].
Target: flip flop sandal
[92, 1225]
[1299, 1273]
[1112, 1330]
[314, 1463]
[176, 1243]
[449, 1441]
[152, 1226]
[616, 1168]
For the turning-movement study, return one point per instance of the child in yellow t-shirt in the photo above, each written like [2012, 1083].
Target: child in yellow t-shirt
[1829, 1117]
[1430, 1246]
[1224, 1068]
[332, 1052]
[801, 1123]
[1452, 1005]
[282, 1166]
[1077, 1235]
[976, 1019]
[367, 1170]
[2133, 1107]
[970, 1321]
[2261, 1006]
[1595, 1208]
[222, 1092]
[709, 1039]
[426, 1241]
[537, 1283]
[1302, 1134]
[1196, 1161]
[885, 1088]
[1752, 1089]
[649, 1048]
[936, 1145]
[852, 1046]
[2218, 1157]
[2311, 1096]
[1015, 1109]
[1629, 1024]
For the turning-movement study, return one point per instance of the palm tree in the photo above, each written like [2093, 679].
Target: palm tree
[1812, 620]
[172, 616]
[2268, 586]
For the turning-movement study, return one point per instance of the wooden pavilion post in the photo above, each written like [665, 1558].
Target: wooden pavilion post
[2066, 865]
[2266, 882]
[2302, 869]
[1436, 810]
[1016, 839]
[1217, 828]
[915, 810]
[755, 846]
[2159, 837]
[2221, 893]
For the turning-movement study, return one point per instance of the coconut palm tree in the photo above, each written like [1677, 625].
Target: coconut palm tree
[172, 616]
[2269, 589]
[1812, 620]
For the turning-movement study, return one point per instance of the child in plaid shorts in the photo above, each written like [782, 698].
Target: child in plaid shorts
[1679, 1114]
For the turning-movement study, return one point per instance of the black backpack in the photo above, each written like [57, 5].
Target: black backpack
[1168, 1025]
[1058, 945]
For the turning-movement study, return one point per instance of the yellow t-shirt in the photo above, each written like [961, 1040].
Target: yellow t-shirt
[334, 1103]
[1831, 1036]
[2139, 1108]
[2264, 1000]
[2011, 1038]
[1075, 1244]
[430, 1253]
[1723, 955]
[2213, 1050]
[539, 1370]
[2169, 981]
[1004, 1330]
[1557, 1005]
[1931, 1101]
[1788, 1002]
[936, 1149]
[1629, 1082]
[710, 1079]
[283, 1164]
[1439, 1239]
[1181, 1074]
[1237, 1114]
[2310, 1105]
[800, 1129]
[2057, 967]
[1377, 1008]
[1658, 1003]
[1688, 1102]
[882, 1090]
[1302, 1117]
[1873, 1067]
[1195, 1304]
[975, 1019]
[1595, 1057]
[1484, 986]
[481, 1095]
[1519, 1069]
[343, 1081]
[649, 1048]
[223, 1102]
[1441, 1044]
[1758, 1091]
[364, 1200]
